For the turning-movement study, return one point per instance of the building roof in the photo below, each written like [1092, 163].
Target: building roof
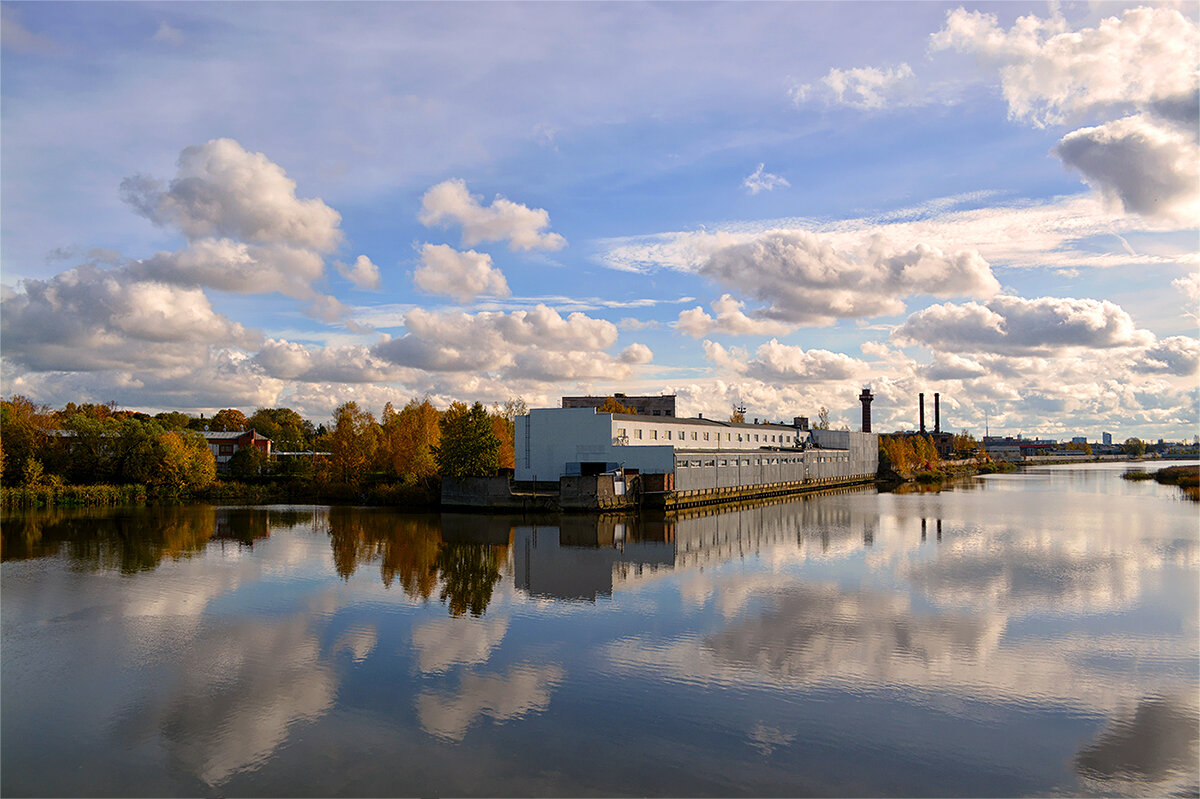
[634, 417]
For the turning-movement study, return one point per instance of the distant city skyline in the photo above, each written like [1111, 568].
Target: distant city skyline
[770, 205]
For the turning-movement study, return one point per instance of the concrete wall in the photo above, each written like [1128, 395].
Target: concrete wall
[701, 470]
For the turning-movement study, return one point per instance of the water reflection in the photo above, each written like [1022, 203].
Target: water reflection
[1047, 640]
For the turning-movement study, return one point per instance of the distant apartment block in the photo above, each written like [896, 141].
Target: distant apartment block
[1106, 439]
[661, 405]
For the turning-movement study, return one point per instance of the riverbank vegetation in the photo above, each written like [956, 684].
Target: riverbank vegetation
[915, 458]
[1186, 477]
[94, 454]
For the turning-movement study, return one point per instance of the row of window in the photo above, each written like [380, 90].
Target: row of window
[681, 435]
[696, 464]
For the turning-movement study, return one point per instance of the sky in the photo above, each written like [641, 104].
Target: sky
[212, 205]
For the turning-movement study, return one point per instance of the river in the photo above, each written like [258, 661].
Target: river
[1025, 634]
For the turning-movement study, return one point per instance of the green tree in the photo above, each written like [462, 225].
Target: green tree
[469, 574]
[249, 463]
[1134, 447]
[469, 445]
[288, 431]
[23, 428]
[173, 420]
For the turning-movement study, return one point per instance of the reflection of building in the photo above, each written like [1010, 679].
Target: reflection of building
[564, 563]
[585, 557]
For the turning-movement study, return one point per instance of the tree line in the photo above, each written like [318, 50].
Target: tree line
[405, 450]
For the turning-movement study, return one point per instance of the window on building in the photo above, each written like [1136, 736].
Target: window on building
[668, 435]
[654, 435]
[706, 436]
[226, 449]
[637, 433]
[693, 435]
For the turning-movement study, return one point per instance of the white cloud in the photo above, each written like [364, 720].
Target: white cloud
[443, 643]
[288, 360]
[806, 280]
[730, 318]
[15, 37]
[1141, 165]
[461, 275]
[1176, 355]
[220, 189]
[763, 181]
[1051, 75]
[776, 363]
[870, 87]
[88, 319]
[1016, 326]
[1189, 286]
[230, 265]
[361, 273]
[449, 202]
[537, 344]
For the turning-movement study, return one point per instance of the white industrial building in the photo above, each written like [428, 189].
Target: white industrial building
[700, 454]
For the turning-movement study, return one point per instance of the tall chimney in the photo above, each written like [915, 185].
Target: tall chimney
[865, 398]
[921, 401]
[937, 414]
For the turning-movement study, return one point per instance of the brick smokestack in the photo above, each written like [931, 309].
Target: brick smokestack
[937, 414]
[921, 402]
[865, 398]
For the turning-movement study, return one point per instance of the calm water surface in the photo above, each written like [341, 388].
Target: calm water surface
[1030, 634]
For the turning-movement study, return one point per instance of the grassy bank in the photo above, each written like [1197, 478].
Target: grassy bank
[51, 495]
[414, 494]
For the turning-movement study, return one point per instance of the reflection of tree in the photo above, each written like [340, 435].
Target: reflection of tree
[469, 574]
[406, 546]
[125, 541]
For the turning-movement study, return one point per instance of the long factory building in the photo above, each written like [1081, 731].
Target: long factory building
[689, 461]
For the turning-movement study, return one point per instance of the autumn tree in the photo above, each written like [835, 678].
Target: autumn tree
[822, 419]
[611, 405]
[185, 463]
[738, 415]
[23, 428]
[173, 420]
[228, 420]
[408, 438]
[504, 426]
[353, 442]
[469, 445]
[1080, 446]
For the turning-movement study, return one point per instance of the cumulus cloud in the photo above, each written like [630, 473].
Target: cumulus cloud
[1051, 75]
[1017, 326]
[222, 190]
[730, 318]
[229, 265]
[449, 202]
[1189, 286]
[806, 280]
[1146, 167]
[89, 319]
[1176, 355]
[461, 275]
[537, 344]
[763, 181]
[289, 360]
[362, 273]
[783, 363]
[1143, 61]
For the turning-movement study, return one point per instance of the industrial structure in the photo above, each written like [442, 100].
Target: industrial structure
[660, 405]
[595, 455]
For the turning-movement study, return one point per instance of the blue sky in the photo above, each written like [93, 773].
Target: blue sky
[251, 205]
